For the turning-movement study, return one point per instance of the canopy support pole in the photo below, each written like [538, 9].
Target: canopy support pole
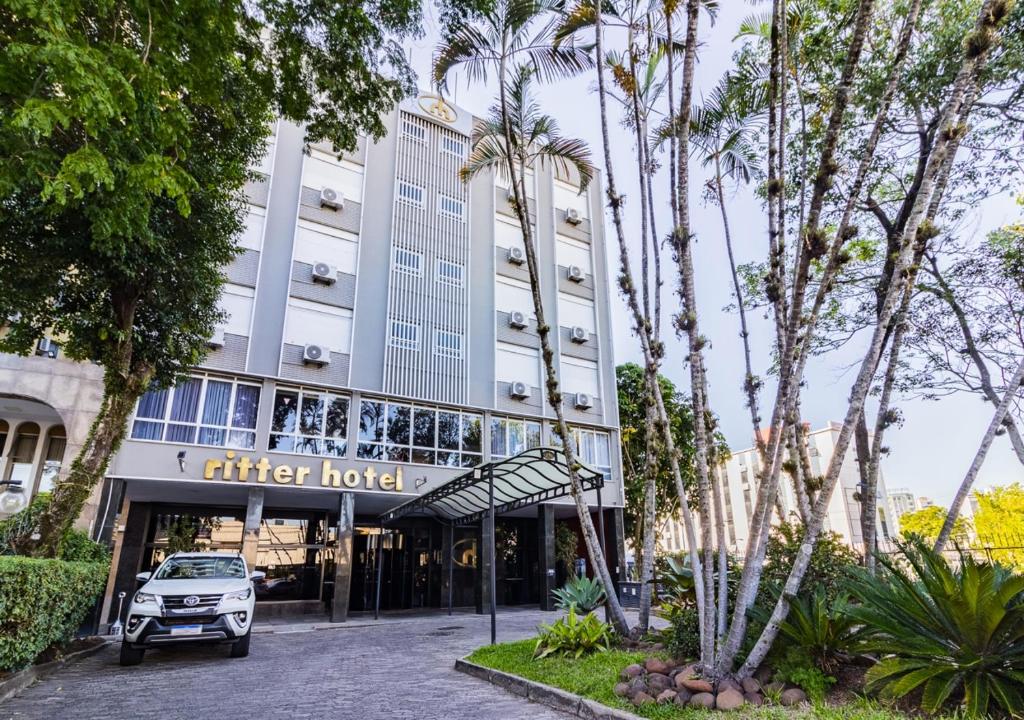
[451, 566]
[600, 530]
[380, 571]
[490, 555]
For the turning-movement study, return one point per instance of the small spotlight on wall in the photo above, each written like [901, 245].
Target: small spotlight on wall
[181, 460]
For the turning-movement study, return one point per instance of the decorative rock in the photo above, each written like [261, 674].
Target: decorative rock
[729, 684]
[631, 671]
[793, 696]
[686, 672]
[750, 685]
[636, 685]
[621, 689]
[658, 646]
[666, 696]
[658, 682]
[683, 696]
[729, 699]
[703, 699]
[755, 699]
[696, 685]
[655, 665]
[641, 698]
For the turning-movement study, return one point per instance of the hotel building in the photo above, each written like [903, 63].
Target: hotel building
[379, 341]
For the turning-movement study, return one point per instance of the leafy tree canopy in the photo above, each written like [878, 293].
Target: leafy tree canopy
[927, 522]
[999, 523]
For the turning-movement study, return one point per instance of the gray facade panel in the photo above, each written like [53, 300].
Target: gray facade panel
[342, 293]
[271, 302]
[503, 205]
[357, 156]
[334, 373]
[231, 356]
[525, 337]
[574, 414]
[583, 289]
[257, 191]
[345, 219]
[482, 267]
[579, 232]
[602, 304]
[587, 350]
[503, 267]
[244, 269]
[507, 403]
[547, 261]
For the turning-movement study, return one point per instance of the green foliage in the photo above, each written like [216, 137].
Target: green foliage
[831, 561]
[632, 398]
[999, 522]
[821, 631]
[77, 546]
[927, 523]
[566, 541]
[796, 669]
[573, 636]
[580, 593]
[676, 579]
[955, 632]
[42, 602]
[682, 637]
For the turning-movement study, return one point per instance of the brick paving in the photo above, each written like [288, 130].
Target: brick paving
[399, 668]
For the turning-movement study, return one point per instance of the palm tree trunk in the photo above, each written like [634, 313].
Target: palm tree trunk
[650, 501]
[1013, 390]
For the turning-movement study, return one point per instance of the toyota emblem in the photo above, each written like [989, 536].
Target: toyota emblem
[192, 600]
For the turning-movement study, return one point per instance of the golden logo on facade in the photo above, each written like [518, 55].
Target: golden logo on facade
[244, 469]
[436, 107]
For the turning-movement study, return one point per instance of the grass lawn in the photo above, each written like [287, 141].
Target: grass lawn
[595, 675]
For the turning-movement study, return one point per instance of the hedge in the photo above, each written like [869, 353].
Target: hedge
[43, 602]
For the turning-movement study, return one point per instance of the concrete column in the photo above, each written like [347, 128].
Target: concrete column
[37, 459]
[447, 540]
[117, 538]
[343, 557]
[129, 559]
[546, 549]
[615, 527]
[251, 533]
[483, 561]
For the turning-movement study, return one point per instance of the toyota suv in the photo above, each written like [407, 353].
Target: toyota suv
[192, 597]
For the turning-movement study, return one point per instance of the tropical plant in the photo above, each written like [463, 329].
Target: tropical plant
[821, 630]
[572, 635]
[828, 569]
[580, 593]
[957, 632]
[682, 636]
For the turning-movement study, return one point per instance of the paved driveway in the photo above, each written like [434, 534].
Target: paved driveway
[399, 668]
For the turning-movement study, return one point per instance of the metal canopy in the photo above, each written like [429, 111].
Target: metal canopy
[534, 476]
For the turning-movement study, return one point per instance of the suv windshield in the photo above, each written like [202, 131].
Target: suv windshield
[201, 567]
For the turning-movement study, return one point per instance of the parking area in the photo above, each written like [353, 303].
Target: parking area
[397, 668]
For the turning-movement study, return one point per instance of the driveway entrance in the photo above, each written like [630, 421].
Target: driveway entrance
[397, 668]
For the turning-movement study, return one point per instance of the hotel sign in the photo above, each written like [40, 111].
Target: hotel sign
[244, 469]
[437, 108]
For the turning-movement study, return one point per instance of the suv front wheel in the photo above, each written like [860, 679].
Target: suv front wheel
[240, 647]
[130, 655]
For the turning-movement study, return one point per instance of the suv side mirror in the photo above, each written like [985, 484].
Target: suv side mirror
[144, 576]
[257, 575]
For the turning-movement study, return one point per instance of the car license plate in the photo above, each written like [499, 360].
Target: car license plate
[187, 630]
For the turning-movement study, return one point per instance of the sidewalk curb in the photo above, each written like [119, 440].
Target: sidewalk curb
[553, 697]
[23, 678]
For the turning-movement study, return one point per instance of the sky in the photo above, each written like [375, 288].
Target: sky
[929, 453]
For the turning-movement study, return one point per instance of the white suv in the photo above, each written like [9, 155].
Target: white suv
[192, 597]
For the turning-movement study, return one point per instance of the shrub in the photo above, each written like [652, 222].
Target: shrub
[42, 602]
[682, 636]
[796, 668]
[823, 632]
[831, 563]
[581, 593]
[77, 547]
[571, 635]
[949, 631]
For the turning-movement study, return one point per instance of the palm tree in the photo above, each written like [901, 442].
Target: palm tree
[513, 40]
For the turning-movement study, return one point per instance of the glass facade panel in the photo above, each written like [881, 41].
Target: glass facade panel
[198, 411]
[322, 421]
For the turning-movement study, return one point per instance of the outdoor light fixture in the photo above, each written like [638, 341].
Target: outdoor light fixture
[12, 499]
[181, 460]
[548, 455]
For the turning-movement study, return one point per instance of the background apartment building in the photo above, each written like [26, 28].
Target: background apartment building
[379, 340]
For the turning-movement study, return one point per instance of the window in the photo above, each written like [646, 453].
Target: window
[55, 446]
[511, 436]
[414, 131]
[409, 262]
[397, 432]
[593, 448]
[410, 193]
[309, 423]
[199, 411]
[448, 344]
[405, 335]
[453, 146]
[452, 207]
[449, 272]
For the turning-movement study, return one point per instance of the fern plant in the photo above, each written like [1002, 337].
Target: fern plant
[956, 632]
[582, 593]
[824, 632]
[573, 635]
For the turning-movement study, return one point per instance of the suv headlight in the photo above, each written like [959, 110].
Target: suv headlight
[142, 598]
[239, 594]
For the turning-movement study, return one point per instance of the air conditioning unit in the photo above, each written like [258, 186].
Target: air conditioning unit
[575, 273]
[579, 334]
[316, 355]
[325, 273]
[572, 216]
[335, 199]
[517, 320]
[217, 339]
[584, 401]
[516, 255]
[519, 390]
